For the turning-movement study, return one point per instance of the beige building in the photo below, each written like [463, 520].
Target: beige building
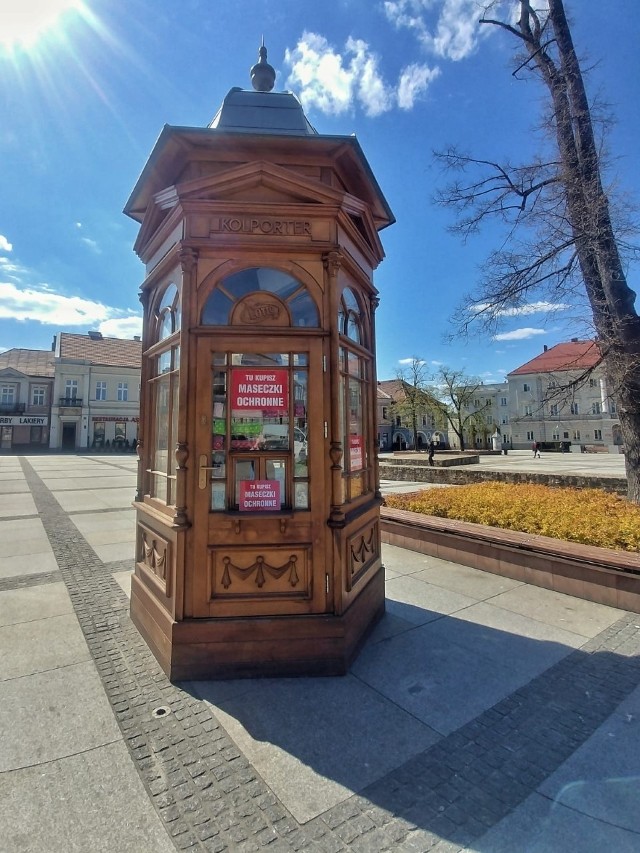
[26, 382]
[96, 395]
[561, 399]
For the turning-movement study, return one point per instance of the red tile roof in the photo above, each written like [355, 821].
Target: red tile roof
[112, 352]
[574, 355]
[31, 362]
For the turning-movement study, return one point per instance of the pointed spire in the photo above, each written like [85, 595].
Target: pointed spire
[263, 76]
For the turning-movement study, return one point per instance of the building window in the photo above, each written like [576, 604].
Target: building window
[101, 390]
[424, 420]
[553, 409]
[528, 410]
[98, 433]
[503, 401]
[576, 435]
[123, 392]
[476, 404]
[38, 395]
[595, 408]
[526, 387]
[398, 421]
[597, 434]
[575, 409]
[530, 435]
[612, 407]
[593, 383]
[7, 393]
[488, 403]
[385, 413]
[71, 389]
[556, 435]
[505, 419]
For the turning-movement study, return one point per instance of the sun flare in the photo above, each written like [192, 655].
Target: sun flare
[23, 22]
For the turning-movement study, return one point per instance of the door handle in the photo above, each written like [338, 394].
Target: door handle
[202, 471]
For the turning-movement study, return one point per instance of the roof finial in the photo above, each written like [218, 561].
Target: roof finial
[263, 76]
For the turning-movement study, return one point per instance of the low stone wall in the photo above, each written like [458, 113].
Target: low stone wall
[595, 574]
[442, 459]
[404, 470]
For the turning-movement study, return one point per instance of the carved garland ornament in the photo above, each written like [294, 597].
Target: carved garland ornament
[260, 567]
[363, 550]
[154, 555]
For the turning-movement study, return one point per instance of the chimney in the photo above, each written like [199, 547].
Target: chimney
[95, 336]
[545, 348]
[574, 340]
[136, 337]
[53, 343]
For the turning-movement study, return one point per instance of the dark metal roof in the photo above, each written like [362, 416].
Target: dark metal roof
[280, 113]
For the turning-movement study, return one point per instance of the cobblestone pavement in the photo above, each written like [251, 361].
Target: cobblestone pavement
[446, 798]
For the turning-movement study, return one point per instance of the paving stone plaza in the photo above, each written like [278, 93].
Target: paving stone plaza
[482, 715]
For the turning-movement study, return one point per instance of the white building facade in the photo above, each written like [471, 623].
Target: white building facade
[561, 400]
[96, 395]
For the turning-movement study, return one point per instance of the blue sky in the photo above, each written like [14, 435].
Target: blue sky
[85, 93]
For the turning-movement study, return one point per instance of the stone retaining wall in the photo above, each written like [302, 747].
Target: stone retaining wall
[460, 477]
[595, 574]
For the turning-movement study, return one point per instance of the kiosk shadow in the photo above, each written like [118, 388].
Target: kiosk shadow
[429, 697]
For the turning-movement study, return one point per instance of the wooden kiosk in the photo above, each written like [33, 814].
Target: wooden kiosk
[258, 543]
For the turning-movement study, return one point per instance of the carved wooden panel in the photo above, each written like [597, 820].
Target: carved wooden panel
[154, 554]
[363, 550]
[263, 573]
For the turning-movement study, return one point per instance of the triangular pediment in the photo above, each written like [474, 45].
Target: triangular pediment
[10, 373]
[274, 184]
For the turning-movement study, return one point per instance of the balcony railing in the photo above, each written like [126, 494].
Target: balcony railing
[71, 401]
[12, 408]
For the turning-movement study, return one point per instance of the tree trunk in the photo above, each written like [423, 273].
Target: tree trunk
[611, 300]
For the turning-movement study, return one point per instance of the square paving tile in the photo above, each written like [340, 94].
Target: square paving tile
[42, 645]
[33, 603]
[52, 715]
[93, 801]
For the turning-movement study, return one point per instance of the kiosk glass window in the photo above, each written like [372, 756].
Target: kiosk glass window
[355, 367]
[303, 311]
[164, 396]
[259, 432]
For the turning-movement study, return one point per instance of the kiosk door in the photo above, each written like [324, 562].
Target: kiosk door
[259, 523]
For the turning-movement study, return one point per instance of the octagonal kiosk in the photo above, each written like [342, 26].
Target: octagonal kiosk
[258, 543]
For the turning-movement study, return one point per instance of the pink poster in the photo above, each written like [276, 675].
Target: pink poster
[355, 452]
[259, 495]
[259, 389]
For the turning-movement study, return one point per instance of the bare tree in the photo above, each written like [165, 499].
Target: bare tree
[456, 393]
[413, 399]
[562, 242]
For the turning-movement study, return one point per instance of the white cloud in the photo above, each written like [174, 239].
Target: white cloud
[519, 334]
[446, 28]
[524, 310]
[5, 245]
[43, 305]
[92, 244]
[335, 82]
[414, 80]
[123, 327]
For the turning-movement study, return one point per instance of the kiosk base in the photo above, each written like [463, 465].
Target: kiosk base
[197, 649]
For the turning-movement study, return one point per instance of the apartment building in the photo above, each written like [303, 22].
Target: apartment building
[395, 429]
[96, 393]
[560, 398]
[26, 383]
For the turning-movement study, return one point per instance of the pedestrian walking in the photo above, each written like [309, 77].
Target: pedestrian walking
[432, 450]
[536, 450]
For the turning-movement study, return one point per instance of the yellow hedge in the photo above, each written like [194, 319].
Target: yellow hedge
[589, 516]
